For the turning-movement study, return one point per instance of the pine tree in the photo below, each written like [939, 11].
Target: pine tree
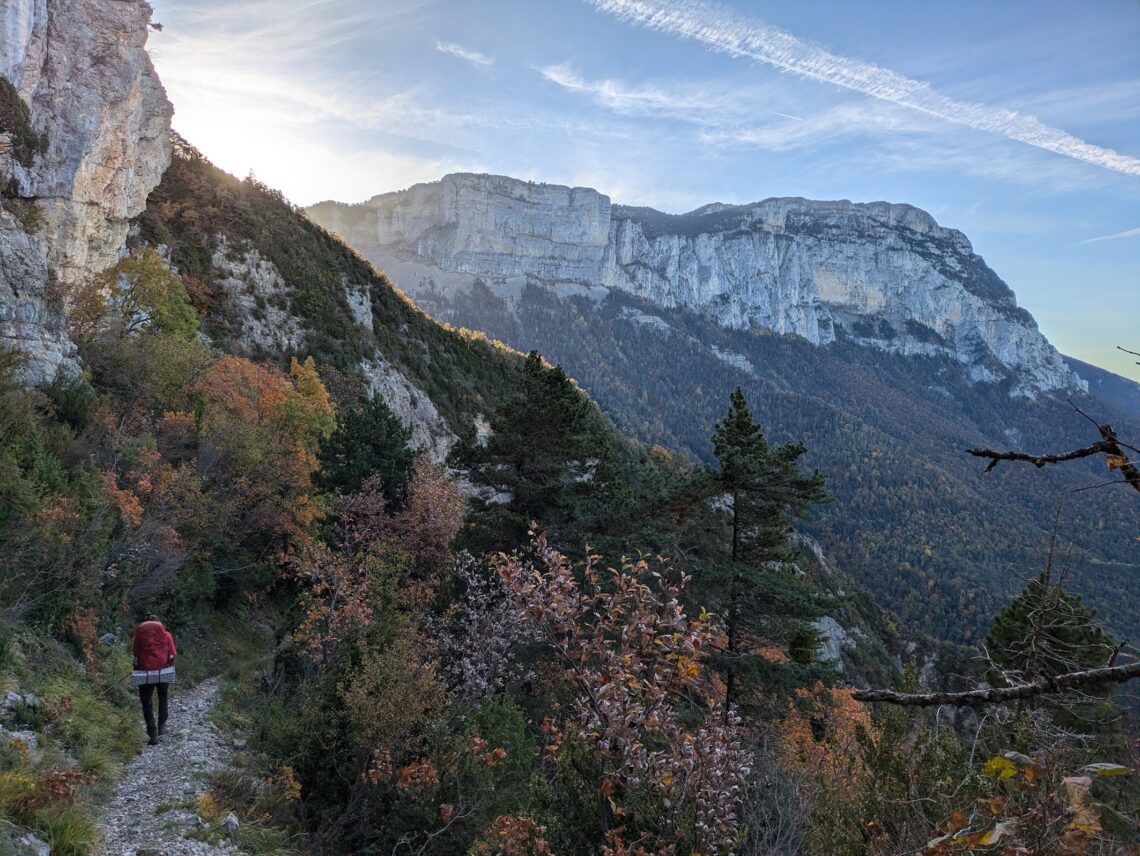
[544, 448]
[765, 489]
[1045, 632]
[368, 440]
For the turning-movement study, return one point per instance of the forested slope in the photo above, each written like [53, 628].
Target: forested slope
[680, 685]
[916, 520]
[270, 283]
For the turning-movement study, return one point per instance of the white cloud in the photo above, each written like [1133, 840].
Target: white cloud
[1128, 233]
[473, 57]
[723, 29]
[700, 103]
[823, 127]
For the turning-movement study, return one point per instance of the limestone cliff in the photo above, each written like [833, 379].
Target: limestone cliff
[886, 276]
[102, 120]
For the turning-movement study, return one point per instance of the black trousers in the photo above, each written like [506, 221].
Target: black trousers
[146, 695]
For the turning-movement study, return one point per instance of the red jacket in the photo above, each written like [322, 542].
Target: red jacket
[154, 646]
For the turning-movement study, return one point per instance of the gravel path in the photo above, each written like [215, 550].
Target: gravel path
[171, 776]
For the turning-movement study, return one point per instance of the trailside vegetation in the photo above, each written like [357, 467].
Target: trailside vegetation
[915, 521]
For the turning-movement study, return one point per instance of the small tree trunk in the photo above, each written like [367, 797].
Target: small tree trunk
[733, 609]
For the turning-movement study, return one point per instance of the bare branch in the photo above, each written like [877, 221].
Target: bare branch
[997, 695]
[1037, 460]
[1099, 485]
[1073, 405]
[1108, 445]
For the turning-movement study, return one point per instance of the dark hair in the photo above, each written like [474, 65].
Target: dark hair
[153, 617]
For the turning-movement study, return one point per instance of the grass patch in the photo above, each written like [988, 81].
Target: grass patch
[71, 830]
[228, 643]
[87, 728]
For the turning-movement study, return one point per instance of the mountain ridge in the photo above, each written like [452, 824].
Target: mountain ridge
[883, 274]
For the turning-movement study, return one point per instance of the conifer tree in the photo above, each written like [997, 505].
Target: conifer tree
[545, 443]
[369, 440]
[765, 488]
[1045, 632]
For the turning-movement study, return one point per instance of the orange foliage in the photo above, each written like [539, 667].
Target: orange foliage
[55, 786]
[247, 391]
[127, 503]
[58, 519]
[509, 835]
[82, 627]
[771, 653]
[417, 776]
[819, 735]
[259, 433]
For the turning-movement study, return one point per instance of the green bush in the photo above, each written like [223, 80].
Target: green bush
[16, 121]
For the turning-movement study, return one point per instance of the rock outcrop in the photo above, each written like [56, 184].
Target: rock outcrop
[102, 121]
[411, 406]
[886, 276]
[261, 320]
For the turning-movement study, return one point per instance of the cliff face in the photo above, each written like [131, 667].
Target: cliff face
[886, 276]
[498, 227]
[103, 120]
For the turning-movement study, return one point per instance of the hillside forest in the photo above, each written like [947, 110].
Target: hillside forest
[559, 640]
[917, 523]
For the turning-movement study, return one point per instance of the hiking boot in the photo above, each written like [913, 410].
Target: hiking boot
[152, 733]
[161, 728]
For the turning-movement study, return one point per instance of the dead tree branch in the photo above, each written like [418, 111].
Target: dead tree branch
[1108, 445]
[1037, 460]
[997, 695]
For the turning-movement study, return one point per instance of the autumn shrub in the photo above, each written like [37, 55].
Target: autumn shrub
[1024, 805]
[140, 292]
[633, 658]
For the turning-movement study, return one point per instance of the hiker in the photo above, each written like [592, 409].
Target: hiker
[154, 667]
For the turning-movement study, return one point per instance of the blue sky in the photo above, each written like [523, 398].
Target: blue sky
[1016, 122]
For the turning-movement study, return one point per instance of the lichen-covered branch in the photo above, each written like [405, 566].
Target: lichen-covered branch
[997, 695]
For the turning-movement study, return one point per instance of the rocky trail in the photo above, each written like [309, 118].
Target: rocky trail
[154, 807]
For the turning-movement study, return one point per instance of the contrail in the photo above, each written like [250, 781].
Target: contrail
[1116, 236]
[726, 30]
